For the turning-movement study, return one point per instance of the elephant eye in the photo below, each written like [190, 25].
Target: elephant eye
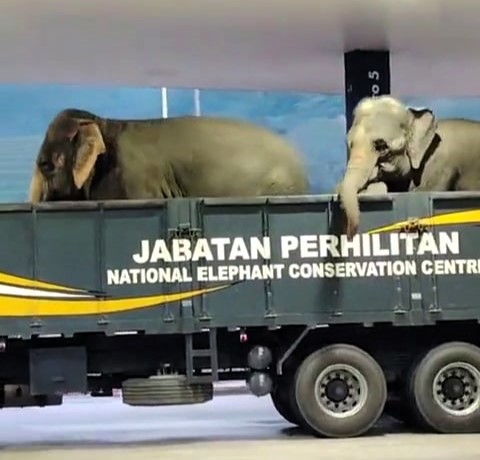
[58, 159]
[380, 145]
[45, 165]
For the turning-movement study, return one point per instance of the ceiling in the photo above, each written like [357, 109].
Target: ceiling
[243, 44]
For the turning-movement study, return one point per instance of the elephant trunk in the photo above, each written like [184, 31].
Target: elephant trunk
[359, 170]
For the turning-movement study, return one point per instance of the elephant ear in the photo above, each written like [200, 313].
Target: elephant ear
[63, 128]
[423, 129]
[91, 145]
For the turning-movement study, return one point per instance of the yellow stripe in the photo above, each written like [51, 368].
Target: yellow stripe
[21, 306]
[453, 218]
[27, 282]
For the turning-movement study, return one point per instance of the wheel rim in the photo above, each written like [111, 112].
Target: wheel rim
[456, 388]
[341, 390]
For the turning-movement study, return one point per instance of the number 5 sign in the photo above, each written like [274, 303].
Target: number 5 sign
[367, 73]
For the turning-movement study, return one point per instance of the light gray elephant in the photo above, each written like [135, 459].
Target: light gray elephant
[406, 149]
[84, 156]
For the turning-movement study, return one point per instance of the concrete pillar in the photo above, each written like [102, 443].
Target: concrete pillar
[164, 102]
[367, 73]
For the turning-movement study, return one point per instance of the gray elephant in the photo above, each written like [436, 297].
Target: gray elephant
[406, 149]
[87, 157]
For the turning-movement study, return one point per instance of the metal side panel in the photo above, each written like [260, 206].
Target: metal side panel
[451, 272]
[286, 261]
[328, 277]
[17, 257]
[127, 274]
[229, 230]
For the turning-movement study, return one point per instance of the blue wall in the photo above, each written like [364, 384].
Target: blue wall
[315, 123]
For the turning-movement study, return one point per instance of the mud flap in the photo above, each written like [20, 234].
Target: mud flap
[56, 371]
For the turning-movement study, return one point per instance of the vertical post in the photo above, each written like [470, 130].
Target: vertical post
[367, 73]
[196, 101]
[164, 102]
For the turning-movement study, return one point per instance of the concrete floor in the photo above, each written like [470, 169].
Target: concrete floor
[229, 427]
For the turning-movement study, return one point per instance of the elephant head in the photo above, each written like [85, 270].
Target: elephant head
[386, 141]
[67, 157]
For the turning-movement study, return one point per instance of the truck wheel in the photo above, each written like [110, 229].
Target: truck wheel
[444, 388]
[282, 400]
[340, 391]
[165, 390]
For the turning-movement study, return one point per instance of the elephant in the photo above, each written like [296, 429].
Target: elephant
[407, 150]
[86, 157]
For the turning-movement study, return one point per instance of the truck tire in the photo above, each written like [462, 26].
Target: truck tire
[444, 388]
[340, 391]
[165, 391]
[282, 400]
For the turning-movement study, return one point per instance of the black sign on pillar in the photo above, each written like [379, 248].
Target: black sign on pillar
[367, 73]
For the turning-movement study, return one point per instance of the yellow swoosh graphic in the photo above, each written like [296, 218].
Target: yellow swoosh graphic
[453, 218]
[10, 290]
[30, 283]
[23, 306]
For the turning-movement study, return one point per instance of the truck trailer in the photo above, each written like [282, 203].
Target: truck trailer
[162, 298]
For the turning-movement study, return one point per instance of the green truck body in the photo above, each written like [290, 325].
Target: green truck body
[92, 293]
[177, 266]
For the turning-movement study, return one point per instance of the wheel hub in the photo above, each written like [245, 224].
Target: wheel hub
[453, 388]
[336, 390]
[456, 388]
[341, 390]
